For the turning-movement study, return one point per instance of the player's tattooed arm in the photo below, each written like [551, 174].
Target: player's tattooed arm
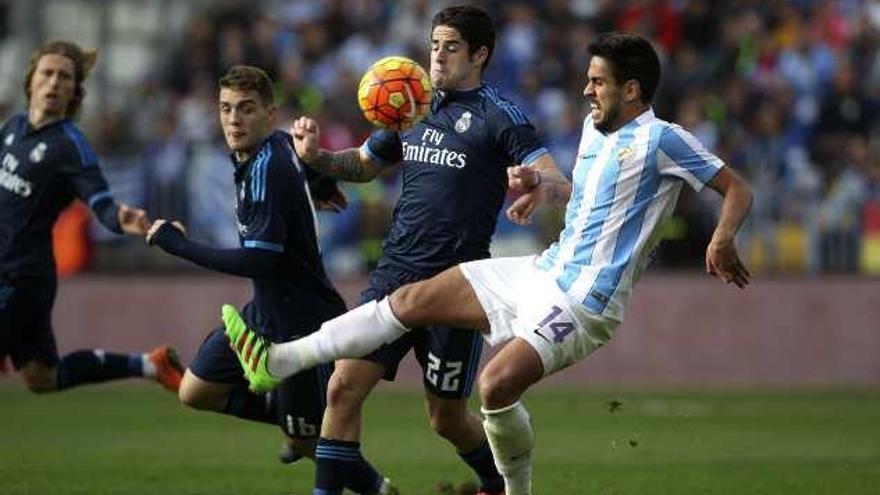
[352, 164]
[348, 165]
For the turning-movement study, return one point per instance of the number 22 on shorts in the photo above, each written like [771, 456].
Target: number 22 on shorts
[554, 331]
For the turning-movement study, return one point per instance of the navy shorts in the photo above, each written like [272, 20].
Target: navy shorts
[26, 320]
[449, 357]
[301, 398]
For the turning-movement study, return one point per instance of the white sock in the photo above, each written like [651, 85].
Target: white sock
[149, 369]
[353, 334]
[510, 436]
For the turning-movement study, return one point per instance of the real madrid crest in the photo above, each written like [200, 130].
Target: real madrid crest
[38, 152]
[9, 139]
[463, 123]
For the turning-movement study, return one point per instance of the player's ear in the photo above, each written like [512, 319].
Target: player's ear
[479, 57]
[272, 110]
[632, 91]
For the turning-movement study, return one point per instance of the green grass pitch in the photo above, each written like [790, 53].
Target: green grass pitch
[136, 439]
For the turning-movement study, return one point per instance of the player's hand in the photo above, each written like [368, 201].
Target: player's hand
[723, 261]
[521, 210]
[522, 179]
[336, 202]
[133, 221]
[158, 225]
[305, 133]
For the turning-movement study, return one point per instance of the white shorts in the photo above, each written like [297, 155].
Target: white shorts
[521, 300]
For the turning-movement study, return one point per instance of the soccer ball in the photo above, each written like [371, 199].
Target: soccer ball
[395, 93]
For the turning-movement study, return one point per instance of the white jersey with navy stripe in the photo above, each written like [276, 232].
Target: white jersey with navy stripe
[624, 185]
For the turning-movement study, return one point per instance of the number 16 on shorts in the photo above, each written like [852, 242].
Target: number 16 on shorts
[555, 326]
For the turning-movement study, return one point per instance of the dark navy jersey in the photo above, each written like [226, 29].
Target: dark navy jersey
[275, 213]
[41, 172]
[454, 177]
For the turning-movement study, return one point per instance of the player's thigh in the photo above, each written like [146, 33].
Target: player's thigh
[213, 372]
[301, 401]
[524, 301]
[447, 297]
[203, 394]
[498, 284]
[450, 359]
[561, 331]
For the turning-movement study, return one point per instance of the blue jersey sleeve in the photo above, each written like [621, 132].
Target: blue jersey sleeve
[681, 155]
[86, 178]
[274, 186]
[88, 182]
[384, 146]
[510, 128]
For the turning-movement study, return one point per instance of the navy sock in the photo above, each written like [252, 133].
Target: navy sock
[482, 462]
[339, 465]
[95, 366]
[254, 407]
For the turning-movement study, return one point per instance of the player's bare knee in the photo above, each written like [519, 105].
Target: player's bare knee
[193, 394]
[40, 386]
[39, 379]
[497, 389]
[344, 392]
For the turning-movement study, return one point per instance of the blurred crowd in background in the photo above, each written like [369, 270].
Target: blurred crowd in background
[784, 91]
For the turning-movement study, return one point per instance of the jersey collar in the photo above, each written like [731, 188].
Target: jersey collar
[443, 97]
[29, 129]
[242, 167]
[643, 118]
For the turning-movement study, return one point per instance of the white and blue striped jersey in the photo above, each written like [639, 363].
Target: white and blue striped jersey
[624, 185]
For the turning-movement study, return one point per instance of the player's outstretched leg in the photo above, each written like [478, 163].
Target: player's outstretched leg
[342, 337]
[96, 366]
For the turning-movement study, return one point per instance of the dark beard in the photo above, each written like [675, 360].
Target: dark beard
[611, 115]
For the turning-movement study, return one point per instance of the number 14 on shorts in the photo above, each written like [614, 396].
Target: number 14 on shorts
[553, 328]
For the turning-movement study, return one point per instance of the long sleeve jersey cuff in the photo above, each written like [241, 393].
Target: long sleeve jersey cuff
[107, 212]
[251, 263]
